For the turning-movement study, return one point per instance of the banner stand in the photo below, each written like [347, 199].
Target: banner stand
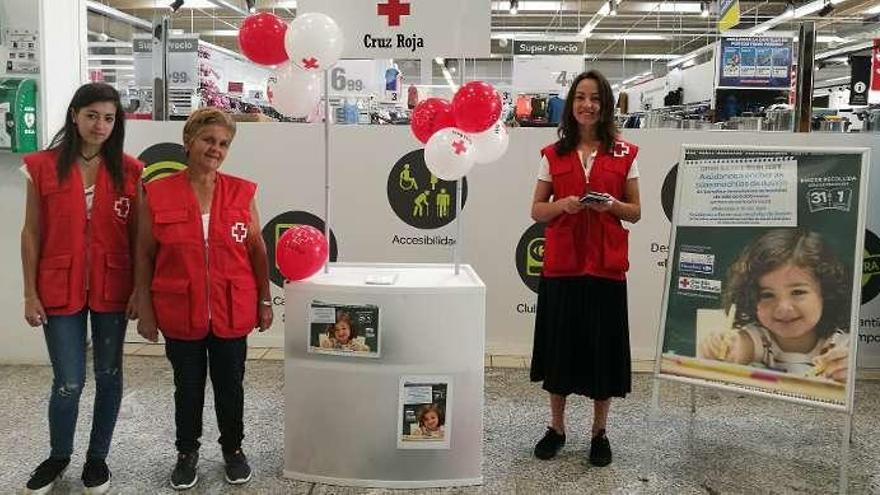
[811, 195]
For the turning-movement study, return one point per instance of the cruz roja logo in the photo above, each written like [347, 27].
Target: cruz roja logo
[418, 197]
[871, 267]
[530, 256]
[161, 160]
[278, 225]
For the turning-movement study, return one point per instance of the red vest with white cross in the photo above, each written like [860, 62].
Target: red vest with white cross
[84, 261]
[589, 242]
[198, 286]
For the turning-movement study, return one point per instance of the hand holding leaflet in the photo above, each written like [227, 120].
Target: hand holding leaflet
[595, 197]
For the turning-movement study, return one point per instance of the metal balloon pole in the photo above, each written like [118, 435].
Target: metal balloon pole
[327, 167]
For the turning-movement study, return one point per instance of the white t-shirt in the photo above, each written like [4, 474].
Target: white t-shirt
[90, 192]
[206, 222]
[544, 168]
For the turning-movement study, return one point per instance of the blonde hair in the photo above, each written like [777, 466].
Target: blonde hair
[203, 117]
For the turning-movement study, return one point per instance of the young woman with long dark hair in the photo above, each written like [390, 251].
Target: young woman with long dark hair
[76, 252]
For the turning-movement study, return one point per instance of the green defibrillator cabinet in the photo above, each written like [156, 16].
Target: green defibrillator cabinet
[18, 115]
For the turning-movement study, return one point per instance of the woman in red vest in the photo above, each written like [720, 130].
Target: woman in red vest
[76, 253]
[203, 277]
[581, 343]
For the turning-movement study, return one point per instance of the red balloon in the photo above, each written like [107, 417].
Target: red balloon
[261, 38]
[429, 117]
[476, 106]
[300, 252]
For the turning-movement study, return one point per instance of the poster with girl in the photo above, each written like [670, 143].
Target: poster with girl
[764, 275]
[344, 329]
[423, 421]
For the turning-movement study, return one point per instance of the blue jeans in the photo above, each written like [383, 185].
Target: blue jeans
[66, 342]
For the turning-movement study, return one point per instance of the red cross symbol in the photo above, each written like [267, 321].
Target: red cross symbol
[684, 283]
[310, 63]
[393, 10]
[620, 149]
[239, 232]
[122, 206]
[459, 147]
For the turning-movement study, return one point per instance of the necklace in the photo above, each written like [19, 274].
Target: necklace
[89, 158]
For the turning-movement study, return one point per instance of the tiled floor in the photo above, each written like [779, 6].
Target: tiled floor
[733, 444]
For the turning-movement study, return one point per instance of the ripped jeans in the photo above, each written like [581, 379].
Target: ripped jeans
[66, 342]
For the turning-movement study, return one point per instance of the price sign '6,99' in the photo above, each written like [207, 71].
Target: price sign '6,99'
[355, 78]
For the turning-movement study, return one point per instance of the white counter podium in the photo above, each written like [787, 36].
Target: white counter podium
[341, 412]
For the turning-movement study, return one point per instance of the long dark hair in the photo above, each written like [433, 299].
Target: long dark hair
[606, 128]
[69, 143]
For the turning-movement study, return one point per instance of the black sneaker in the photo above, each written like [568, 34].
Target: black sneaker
[600, 450]
[185, 474]
[238, 472]
[44, 477]
[550, 445]
[96, 476]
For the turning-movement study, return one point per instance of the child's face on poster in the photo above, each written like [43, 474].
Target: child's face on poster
[342, 332]
[789, 302]
[431, 421]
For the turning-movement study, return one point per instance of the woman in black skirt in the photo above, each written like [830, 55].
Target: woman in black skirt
[587, 184]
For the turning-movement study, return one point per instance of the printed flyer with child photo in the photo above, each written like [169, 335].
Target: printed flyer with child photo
[763, 278]
[344, 329]
[423, 421]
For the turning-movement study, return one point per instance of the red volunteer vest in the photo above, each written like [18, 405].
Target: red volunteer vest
[588, 243]
[196, 287]
[75, 252]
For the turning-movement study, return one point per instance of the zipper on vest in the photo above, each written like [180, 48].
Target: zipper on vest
[208, 270]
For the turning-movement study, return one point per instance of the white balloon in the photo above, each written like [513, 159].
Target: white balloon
[313, 41]
[295, 92]
[490, 144]
[449, 154]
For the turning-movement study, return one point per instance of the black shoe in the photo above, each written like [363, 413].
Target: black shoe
[44, 477]
[550, 445]
[600, 450]
[185, 474]
[96, 476]
[238, 472]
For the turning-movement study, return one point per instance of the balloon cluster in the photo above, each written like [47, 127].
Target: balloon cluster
[458, 134]
[311, 43]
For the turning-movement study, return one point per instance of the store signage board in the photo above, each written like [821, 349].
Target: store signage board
[859, 79]
[741, 215]
[762, 62]
[529, 47]
[408, 28]
[546, 73]
[183, 62]
[358, 78]
[729, 15]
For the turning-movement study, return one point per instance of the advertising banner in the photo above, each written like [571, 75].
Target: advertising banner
[408, 28]
[763, 289]
[728, 14]
[755, 62]
[859, 79]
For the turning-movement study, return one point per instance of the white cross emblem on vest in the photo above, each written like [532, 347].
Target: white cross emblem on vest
[122, 207]
[620, 149]
[239, 232]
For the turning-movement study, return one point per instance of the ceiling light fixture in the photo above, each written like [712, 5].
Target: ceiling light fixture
[514, 7]
[789, 8]
[827, 9]
[250, 6]
[704, 9]
[612, 8]
[176, 5]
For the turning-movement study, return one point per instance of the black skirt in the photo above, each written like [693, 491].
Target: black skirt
[582, 337]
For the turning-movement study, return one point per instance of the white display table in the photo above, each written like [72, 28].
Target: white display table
[342, 412]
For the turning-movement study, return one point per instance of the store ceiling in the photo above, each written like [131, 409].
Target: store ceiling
[640, 30]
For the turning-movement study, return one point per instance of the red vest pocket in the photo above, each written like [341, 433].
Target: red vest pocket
[615, 247]
[171, 226]
[243, 303]
[117, 277]
[560, 254]
[171, 304]
[53, 281]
